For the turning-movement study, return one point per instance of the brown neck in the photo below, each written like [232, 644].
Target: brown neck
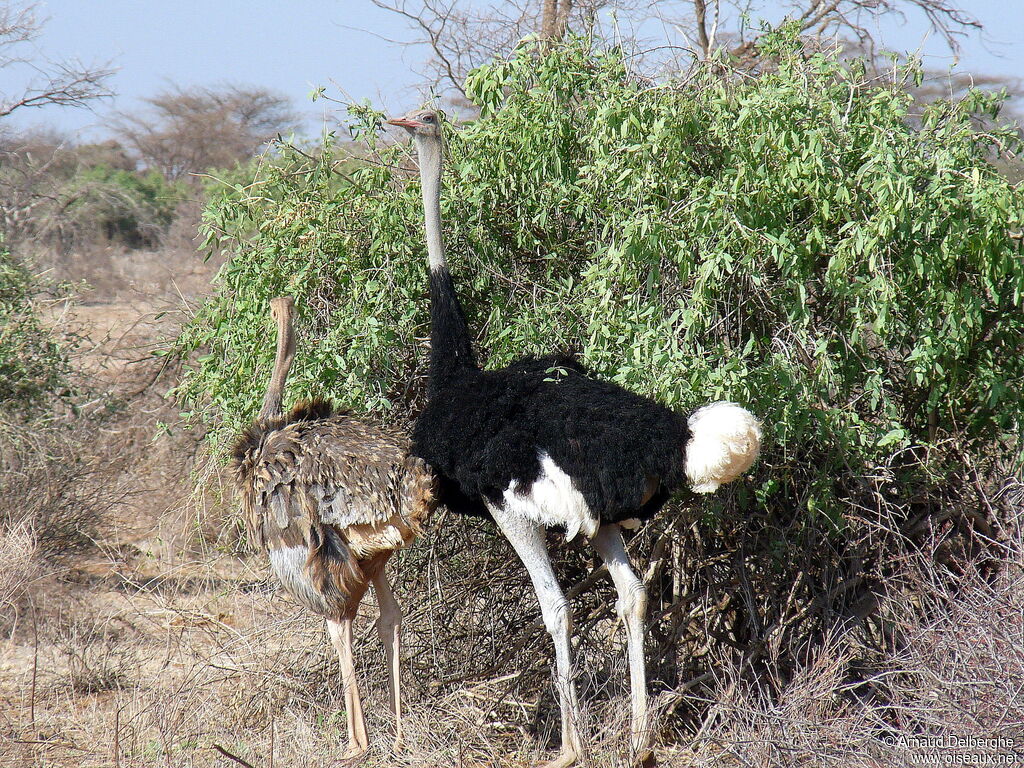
[282, 363]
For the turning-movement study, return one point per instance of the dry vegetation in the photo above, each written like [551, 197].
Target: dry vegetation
[136, 633]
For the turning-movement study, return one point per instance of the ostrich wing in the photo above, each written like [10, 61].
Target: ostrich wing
[336, 470]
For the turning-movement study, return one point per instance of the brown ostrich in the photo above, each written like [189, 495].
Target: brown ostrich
[331, 498]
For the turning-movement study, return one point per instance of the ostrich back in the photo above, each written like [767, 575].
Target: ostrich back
[331, 497]
[623, 453]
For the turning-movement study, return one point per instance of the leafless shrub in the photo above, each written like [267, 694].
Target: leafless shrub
[50, 486]
[807, 723]
[940, 657]
[182, 235]
[18, 567]
[957, 665]
[93, 655]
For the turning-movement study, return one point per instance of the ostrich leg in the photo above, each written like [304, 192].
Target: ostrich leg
[527, 538]
[389, 626]
[632, 608]
[341, 637]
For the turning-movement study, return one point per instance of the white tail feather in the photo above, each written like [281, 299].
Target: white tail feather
[724, 442]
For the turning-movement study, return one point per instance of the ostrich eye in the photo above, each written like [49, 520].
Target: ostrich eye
[428, 119]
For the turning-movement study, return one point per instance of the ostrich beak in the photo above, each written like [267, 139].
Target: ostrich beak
[404, 122]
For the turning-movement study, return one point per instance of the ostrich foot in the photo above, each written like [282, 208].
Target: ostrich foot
[354, 754]
[564, 760]
[645, 758]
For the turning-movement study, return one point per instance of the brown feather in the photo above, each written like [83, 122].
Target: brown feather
[345, 490]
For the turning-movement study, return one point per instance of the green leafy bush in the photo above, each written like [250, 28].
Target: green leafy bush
[794, 241]
[126, 206]
[805, 241]
[33, 360]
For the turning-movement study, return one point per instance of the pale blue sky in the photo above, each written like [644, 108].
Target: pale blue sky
[294, 47]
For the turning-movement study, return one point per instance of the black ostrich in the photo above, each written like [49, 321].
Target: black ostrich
[541, 443]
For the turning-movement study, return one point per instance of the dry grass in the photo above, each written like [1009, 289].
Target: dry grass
[170, 655]
[19, 566]
[230, 668]
[209, 653]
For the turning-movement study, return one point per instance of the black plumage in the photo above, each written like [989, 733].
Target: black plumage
[482, 429]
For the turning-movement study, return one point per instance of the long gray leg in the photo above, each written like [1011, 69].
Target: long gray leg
[527, 538]
[632, 607]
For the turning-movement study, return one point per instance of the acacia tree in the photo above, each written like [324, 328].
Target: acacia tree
[462, 34]
[189, 130]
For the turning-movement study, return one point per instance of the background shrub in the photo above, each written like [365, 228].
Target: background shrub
[33, 361]
[120, 206]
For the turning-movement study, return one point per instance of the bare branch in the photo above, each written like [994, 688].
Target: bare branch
[463, 35]
[61, 83]
[856, 17]
[562, 24]
[701, 12]
[67, 85]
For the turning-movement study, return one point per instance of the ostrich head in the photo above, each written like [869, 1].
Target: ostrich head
[282, 309]
[420, 123]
